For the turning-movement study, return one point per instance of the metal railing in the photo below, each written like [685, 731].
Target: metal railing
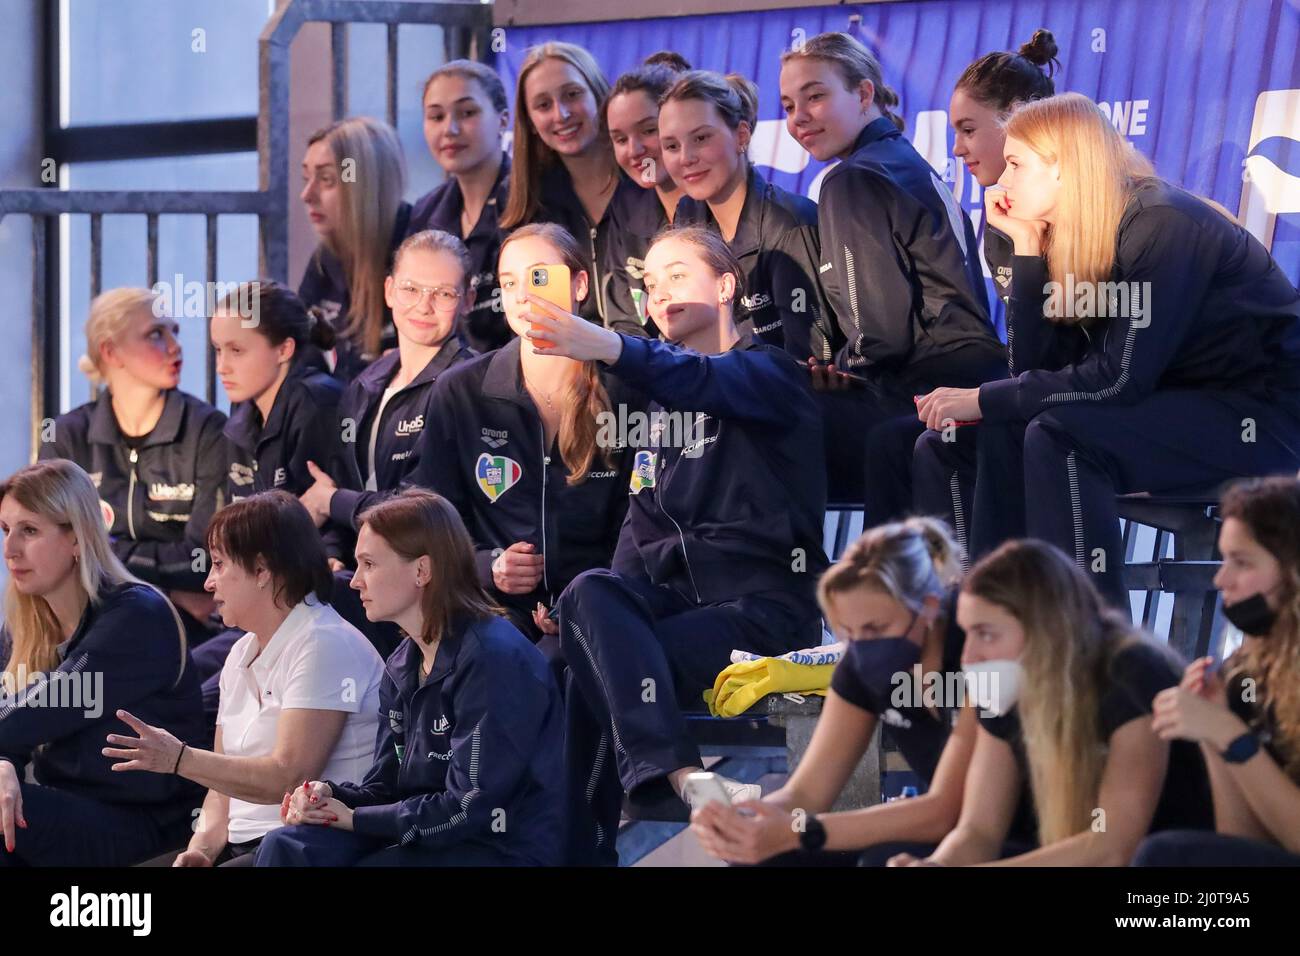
[466, 28]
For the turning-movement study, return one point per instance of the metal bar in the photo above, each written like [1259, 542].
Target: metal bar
[96, 254]
[40, 328]
[459, 14]
[210, 357]
[339, 70]
[53, 202]
[392, 75]
[151, 251]
[117, 141]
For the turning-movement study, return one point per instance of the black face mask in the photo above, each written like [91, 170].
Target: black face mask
[1252, 616]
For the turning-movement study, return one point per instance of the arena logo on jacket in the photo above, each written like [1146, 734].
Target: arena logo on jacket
[497, 474]
[494, 437]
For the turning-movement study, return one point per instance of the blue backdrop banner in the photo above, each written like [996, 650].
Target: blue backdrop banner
[1208, 89]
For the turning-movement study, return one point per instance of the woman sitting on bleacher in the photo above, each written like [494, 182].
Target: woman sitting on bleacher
[83, 640]
[1248, 724]
[1064, 686]
[299, 691]
[156, 454]
[469, 765]
[353, 179]
[721, 547]
[386, 408]
[892, 596]
[1185, 369]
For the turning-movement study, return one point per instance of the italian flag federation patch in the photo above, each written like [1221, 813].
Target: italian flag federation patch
[497, 474]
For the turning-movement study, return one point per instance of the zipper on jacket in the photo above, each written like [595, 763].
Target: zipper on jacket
[130, 495]
[595, 271]
[682, 538]
[546, 466]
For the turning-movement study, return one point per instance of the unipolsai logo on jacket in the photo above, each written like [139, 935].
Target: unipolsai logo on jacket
[759, 300]
[441, 725]
[410, 426]
[281, 476]
[163, 492]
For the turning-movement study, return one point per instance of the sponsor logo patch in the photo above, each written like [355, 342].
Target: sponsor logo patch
[494, 438]
[497, 474]
[643, 471]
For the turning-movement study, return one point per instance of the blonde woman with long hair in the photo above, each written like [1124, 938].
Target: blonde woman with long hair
[83, 640]
[1064, 686]
[1187, 373]
[353, 179]
[1246, 715]
[155, 453]
[563, 168]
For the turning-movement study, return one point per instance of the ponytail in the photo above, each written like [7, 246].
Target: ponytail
[855, 63]
[908, 560]
[735, 97]
[277, 314]
[1001, 80]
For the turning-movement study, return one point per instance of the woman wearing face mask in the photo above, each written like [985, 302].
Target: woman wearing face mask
[471, 725]
[722, 542]
[353, 180]
[1188, 367]
[386, 408]
[1064, 687]
[891, 596]
[564, 170]
[900, 269]
[1246, 716]
[72, 612]
[705, 124]
[631, 117]
[157, 453]
[283, 416]
[465, 115]
[299, 691]
[522, 444]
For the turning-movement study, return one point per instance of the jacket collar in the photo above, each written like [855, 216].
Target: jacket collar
[104, 429]
[245, 427]
[446, 214]
[376, 376]
[749, 227]
[404, 666]
[882, 128]
[505, 377]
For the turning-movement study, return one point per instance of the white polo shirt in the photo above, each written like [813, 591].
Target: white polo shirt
[314, 661]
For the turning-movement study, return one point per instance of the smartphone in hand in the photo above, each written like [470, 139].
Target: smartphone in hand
[552, 283]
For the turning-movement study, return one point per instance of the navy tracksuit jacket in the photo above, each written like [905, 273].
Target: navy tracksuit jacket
[157, 500]
[777, 245]
[1196, 383]
[901, 273]
[482, 449]
[638, 216]
[468, 765]
[303, 426]
[129, 645]
[324, 286]
[721, 549]
[484, 328]
[397, 445]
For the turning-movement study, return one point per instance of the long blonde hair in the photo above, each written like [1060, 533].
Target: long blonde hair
[531, 157]
[585, 399]
[1100, 171]
[1270, 510]
[1070, 639]
[59, 491]
[907, 560]
[368, 217]
[110, 314]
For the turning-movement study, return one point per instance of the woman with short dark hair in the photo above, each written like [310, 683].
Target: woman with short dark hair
[299, 691]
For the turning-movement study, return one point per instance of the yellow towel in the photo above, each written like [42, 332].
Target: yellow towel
[739, 686]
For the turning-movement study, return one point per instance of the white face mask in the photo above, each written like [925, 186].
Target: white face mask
[994, 686]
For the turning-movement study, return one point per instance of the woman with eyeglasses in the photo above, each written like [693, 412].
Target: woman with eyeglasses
[384, 411]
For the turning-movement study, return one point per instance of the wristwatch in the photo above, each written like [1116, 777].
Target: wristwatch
[813, 836]
[1241, 749]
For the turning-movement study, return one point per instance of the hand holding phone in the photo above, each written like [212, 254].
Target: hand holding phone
[703, 788]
